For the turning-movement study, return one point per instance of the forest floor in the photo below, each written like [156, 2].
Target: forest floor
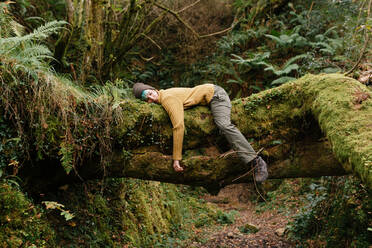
[270, 218]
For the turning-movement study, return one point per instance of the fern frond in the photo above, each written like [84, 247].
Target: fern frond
[284, 71]
[38, 34]
[295, 58]
[17, 28]
[282, 80]
[274, 38]
[322, 44]
[257, 60]
[331, 31]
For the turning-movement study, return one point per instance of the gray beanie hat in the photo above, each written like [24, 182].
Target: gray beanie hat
[139, 87]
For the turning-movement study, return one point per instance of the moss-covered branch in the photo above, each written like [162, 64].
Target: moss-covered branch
[309, 127]
[279, 120]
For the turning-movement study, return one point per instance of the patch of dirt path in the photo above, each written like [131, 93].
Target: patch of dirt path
[271, 223]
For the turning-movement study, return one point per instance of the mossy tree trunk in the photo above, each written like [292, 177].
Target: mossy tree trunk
[101, 35]
[314, 126]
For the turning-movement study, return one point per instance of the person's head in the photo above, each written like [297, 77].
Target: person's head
[145, 92]
[150, 96]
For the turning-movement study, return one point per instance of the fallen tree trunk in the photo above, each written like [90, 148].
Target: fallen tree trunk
[314, 126]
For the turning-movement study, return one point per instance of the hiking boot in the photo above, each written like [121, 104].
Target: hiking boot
[260, 169]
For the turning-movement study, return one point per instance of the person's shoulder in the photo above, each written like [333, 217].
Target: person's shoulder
[168, 97]
[205, 85]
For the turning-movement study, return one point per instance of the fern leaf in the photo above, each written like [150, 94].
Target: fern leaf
[38, 34]
[288, 69]
[274, 38]
[331, 31]
[282, 80]
[284, 71]
[295, 58]
[326, 51]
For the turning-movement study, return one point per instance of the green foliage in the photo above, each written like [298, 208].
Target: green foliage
[288, 67]
[24, 68]
[282, 80]
[247, 229]
[10, 148]
[338, 211]
[22, 55]
[56, 110]
[248, 11]
[256, 60]
[22, 224]
[66, 153]
[298, 41]
[285, 41]
[226, 217]
[238, 41]
[55, 205]
[160, 74]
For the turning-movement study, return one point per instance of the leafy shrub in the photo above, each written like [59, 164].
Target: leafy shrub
[226, 217]
[339, 211]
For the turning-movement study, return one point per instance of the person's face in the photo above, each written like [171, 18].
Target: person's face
[152, 96]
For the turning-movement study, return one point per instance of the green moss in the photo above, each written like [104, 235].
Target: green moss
[22, 224]
[346, 125]
[133, 212]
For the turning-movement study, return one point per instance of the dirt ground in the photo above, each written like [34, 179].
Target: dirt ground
[271, 223]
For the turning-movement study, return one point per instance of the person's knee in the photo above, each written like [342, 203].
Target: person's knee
[224, 125]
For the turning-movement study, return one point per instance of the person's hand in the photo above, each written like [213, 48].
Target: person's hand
[176, 166]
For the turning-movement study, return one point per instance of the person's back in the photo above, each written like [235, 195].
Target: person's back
[198, 95]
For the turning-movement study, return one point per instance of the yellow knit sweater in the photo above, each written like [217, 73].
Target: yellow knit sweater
[174, 101]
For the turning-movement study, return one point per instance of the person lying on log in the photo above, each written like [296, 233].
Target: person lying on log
[175, 100]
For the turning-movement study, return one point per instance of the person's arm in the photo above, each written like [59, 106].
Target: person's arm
[174, 108]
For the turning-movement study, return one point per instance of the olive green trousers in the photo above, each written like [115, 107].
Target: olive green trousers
[221, 110]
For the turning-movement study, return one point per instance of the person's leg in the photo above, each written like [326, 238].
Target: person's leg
[221, 110]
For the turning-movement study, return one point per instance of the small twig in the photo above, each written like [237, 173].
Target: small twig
[309, 12]
[224, 155]
[146, 59]
[255, 185]
[77, 173]
[187, 7]
[243, 175]
[149, 38]
[259, 151]
[73, 71]
[176, 15]
[254, 181]
[216, 33]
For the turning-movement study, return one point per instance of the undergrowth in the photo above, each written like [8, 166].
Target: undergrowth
[22, 222]
[308, 37]
[327, 212]
[130, 212]
[338, 213]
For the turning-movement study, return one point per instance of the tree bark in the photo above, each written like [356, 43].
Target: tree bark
[314, 126]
